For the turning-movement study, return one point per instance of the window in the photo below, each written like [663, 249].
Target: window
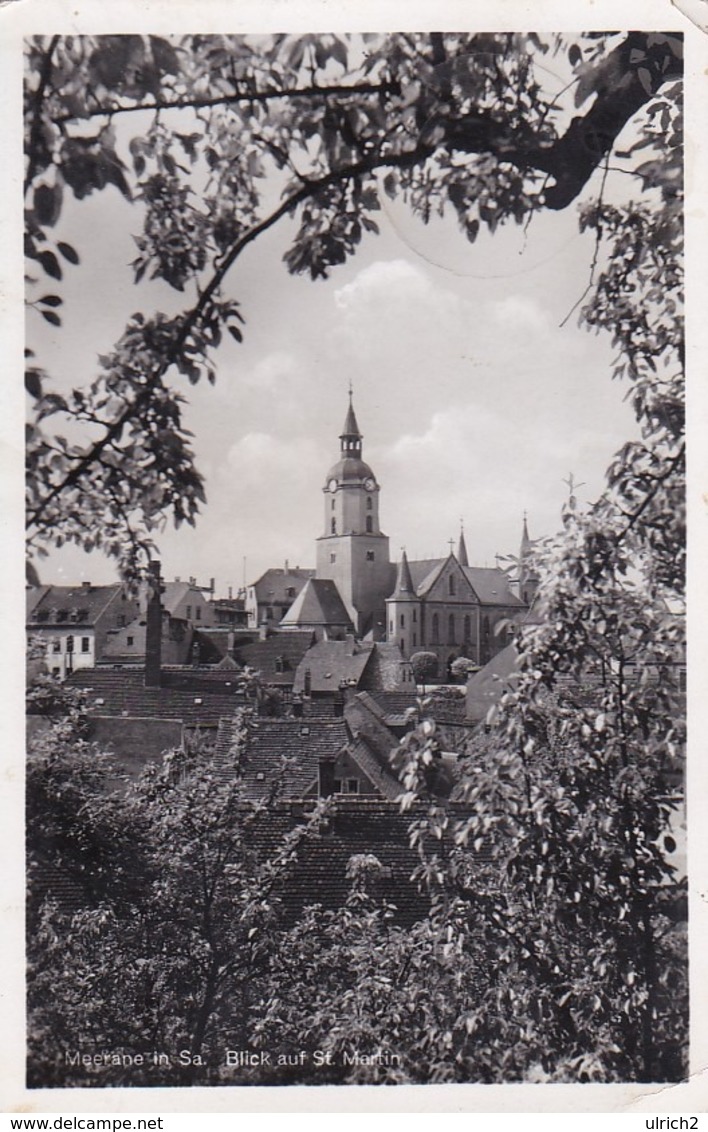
[189, 613]
[415, 615]
[415, 640]
[369, 556]
[334, 503]
[390, 626]
[333, 557]
[198, 613]
[467, 628]
[369, 503]
[352, 786]
[451, 629]
[369, 524]
[85, 644]
[290, 591]
[435, 627]
[69, 644]
[56, 645]
[334, 526]
[451, 584]
[121, 620]
[130, 641]
[403, 644]
[403, 620]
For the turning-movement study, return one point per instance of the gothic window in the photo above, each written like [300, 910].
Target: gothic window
[334, 504]
[390, 627]
[369, 503]
[485, 626]
[451, 629]
[334, 526]
[415, 640]
[403, 621]
[435, 628]
[467, 630]
[333, 557]
[369, 556]
[369, 524]
[451, 584]
[415, 615]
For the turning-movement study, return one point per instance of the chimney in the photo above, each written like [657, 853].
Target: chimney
[212, 586]
[231, 592]
[308, 682]
[153, 630]
[326, 777]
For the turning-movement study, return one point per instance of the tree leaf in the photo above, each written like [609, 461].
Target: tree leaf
[68, 252]
[50, 263]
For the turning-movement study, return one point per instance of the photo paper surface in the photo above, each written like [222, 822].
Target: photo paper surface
[355, 371]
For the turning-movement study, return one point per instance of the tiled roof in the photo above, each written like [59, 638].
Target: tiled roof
[88, 602]
[487, 685]
[272, 587]
[356, 826]
[395, 707]
[379, 774]
[489, 583]
[277, 657]
[319, 603]
[305, 741]
[332, 662]
[193, 696]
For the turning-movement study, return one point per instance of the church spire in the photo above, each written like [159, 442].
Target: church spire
[462, 548]
[350, 435]
[525, 548]
[404, 581]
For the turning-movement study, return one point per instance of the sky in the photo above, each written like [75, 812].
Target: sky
[475, 403]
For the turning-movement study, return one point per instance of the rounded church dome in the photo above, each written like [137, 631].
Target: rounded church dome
[349, 468]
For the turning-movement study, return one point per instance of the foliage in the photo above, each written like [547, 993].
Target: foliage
[197, 131]
[424, 666]
[462, 668]
[173, 964]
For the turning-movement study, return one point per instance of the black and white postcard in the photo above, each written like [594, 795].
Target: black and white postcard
[355, 351]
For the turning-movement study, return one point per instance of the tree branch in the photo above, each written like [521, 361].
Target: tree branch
[334, 90]
[36, 129]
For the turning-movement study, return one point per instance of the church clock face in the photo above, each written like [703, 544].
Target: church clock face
[369, 484]
[332, 485]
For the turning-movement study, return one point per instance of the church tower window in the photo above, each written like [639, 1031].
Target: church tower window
[435, 629]
[334, 526]
[369, 524]
[369, 503]
[467, 628]
[451, 584]
[451, 629]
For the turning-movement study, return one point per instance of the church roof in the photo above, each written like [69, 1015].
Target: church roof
[404, 582]
[462, 550]
[351, 428]
[489, 582]
[350, 468]
[491, 585]
[318, 603]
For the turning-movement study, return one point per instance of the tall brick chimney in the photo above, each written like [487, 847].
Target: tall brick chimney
[153, 627]
[326, 777]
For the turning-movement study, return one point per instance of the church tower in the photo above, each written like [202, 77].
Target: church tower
[528, 578]
[353, 552]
